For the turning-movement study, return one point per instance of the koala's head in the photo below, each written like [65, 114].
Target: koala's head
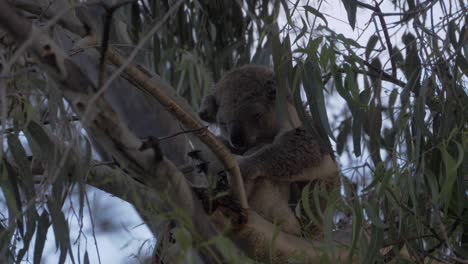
[243, 106]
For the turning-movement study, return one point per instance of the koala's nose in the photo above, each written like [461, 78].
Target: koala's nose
[237, 135]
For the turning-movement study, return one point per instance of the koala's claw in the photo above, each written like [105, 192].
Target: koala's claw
[229, 206]
[232, 209]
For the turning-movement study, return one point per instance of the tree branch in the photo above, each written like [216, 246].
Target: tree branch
[144, 81]
[259, 237]
[153, 85]
[106, 127]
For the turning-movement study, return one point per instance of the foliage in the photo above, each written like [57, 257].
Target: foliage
[401, 130]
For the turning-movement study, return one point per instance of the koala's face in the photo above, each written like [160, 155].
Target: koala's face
[248, 125]
[243, 107]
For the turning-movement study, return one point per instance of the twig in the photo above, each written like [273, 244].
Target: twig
[378, 73]
[105, 38]
[92, 228]
[418, 9]
[385, 76]
[182, 132]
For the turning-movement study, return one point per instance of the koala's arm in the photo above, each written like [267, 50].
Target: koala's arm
[296, 155]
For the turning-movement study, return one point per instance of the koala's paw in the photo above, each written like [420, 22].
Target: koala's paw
[232, 209]
[226, 204]
[249, 170]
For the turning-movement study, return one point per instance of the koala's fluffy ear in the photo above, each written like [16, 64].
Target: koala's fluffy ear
[208, 109]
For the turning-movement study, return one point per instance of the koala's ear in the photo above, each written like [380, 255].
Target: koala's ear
[208, 109]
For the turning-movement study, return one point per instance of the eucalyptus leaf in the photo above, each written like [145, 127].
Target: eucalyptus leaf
[316, 13]
[314, 89]
[371, 45]
[23, 164]
[41, 235]
[351, 9]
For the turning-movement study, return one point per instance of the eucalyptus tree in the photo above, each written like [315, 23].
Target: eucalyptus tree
[104, 94]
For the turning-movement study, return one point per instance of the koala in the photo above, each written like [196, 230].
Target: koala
[272, 152]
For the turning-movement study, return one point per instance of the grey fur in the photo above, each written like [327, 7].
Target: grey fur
[274, 154]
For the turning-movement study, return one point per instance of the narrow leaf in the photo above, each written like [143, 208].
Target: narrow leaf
[317, 13]
[41, 235]
[314, 88]
[351, 9]
[371, 45]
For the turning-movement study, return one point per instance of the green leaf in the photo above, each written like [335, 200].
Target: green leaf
[303, 31]
[39, 142]
[342, 137]
[81, 170]
[378, 176]
[286, 11]
[10, 191]
[452, 33]
[317, 13]
[451, 175]
[351, 9]
[412, 66]
[391, 102]
[61, 230]
[314, 88]
[344, 91]
[314, 45]
[30, 219]
[375, 244]
[373, 215]
[41, 235]
[420, 112]
[357, 226]
[23, 165]
[397, 56]
[348, 42]
[357, 129]
[86, 258]
[6, 235]
[326, 56]
[351, 85]
[371, 45]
